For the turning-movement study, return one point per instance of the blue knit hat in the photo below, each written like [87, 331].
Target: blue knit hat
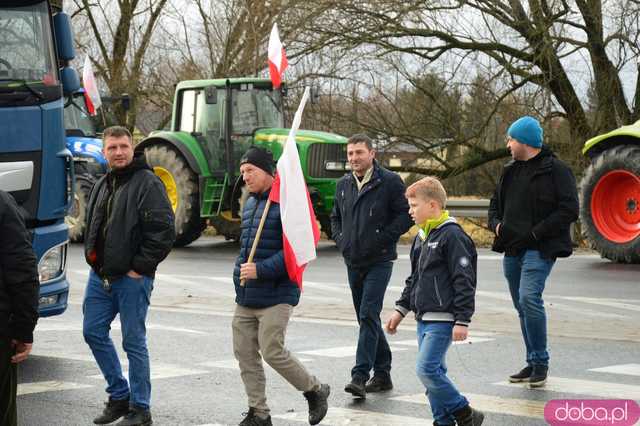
[526, 130]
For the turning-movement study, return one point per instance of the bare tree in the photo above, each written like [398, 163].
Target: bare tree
[118, 47]
[538, 42]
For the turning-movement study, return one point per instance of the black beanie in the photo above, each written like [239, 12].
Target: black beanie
[259, 157]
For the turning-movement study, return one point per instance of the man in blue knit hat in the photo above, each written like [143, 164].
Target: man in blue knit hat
[531, 211]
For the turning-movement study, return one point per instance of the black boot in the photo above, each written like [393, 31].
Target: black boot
[467, 416]
[379, 384]
[356, 387]
[137, 416]
[252, 419]
[538, 376]
[113, 410]
[318, 405]
[522, 376]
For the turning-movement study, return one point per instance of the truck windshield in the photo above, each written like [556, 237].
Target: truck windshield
[27, 55]
[255, 108]
[76, 117]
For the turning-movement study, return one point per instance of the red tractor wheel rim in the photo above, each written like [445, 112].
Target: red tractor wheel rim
[615, 206]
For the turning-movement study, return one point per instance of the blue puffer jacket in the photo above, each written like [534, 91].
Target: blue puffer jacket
[273, 286]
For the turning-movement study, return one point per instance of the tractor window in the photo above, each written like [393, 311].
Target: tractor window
[255, 108]
[188, 110]
[76, 116]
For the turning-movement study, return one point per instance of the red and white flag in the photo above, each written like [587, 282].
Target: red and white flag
[300, 232]
[91, 93]
[277, 58]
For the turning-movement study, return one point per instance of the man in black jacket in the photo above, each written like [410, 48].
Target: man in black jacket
[19, 289]
[370, 214]
[130, 230]
[531, 212]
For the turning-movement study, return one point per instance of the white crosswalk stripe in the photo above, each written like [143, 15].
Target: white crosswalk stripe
[162, 371]
[584, 387]
[347, 416]
[48, 386]
[491, 404]
[626, 369]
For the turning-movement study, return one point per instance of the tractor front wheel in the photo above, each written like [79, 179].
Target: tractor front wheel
[181, 184]
[76, 219]
[611, 204]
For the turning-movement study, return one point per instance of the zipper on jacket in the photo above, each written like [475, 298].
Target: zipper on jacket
[435, 282]
[253, 216]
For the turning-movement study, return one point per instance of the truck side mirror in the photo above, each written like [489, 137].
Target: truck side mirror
[70, 80]
[315, 94]
[211, 95]
[64, 36]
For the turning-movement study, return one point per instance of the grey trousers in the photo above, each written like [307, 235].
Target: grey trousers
[262, 331]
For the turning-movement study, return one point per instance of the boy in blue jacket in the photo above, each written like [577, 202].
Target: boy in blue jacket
[441, 292]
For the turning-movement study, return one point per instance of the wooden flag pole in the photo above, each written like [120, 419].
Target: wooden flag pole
[258, 235]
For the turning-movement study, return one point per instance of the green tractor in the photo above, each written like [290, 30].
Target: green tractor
[610, 193]
[213, 124]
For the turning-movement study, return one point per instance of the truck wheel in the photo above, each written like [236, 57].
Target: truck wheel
[76, 220]
[181, 184]
[611, 204]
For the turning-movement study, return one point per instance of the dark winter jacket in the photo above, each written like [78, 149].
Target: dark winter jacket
[553, 206]
[442, 284]
[19, 286]
[366, 225]
[130, 222]
[273, 285]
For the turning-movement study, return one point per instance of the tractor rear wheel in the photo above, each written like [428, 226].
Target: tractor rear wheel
[76, 219]
[611, 204]
[181, 184]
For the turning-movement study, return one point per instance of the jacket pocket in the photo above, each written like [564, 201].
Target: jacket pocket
[437, 291]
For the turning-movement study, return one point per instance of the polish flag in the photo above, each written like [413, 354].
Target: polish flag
[300, 232]
[91, 94]
[277, 58]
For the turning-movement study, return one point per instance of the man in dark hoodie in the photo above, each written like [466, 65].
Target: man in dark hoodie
[130, 230]
[531, 211]
[19, 288]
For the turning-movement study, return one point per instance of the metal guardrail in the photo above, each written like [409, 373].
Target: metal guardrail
[468, 208]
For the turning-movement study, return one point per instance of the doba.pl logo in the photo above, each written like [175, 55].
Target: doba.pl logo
[592, 412]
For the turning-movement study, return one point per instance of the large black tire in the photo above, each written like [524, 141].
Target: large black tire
[624, 158]
[186, 200]
[76, 219]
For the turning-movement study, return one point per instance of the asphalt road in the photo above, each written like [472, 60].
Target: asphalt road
[592, 304]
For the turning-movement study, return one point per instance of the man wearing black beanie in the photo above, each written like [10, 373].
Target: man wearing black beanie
[265, 297]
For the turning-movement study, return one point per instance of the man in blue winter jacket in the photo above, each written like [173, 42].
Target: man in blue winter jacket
[441, 292]
[265, 297]
[370, 214]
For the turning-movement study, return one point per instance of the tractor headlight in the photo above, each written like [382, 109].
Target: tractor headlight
[52, 264]
[336, 166]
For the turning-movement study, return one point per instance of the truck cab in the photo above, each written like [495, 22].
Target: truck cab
[36, 46]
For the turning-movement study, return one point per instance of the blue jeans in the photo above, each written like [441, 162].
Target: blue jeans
[434, 339]
[367, 291]
[527, 274]
[130, 298]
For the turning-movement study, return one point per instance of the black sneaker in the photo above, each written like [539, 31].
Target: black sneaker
[468, 416]
[252, 419]
[379, 384]
[356, 387]
[522, 376]
[113, 410]
[318, 405]
[137, 416]
[538, 376]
